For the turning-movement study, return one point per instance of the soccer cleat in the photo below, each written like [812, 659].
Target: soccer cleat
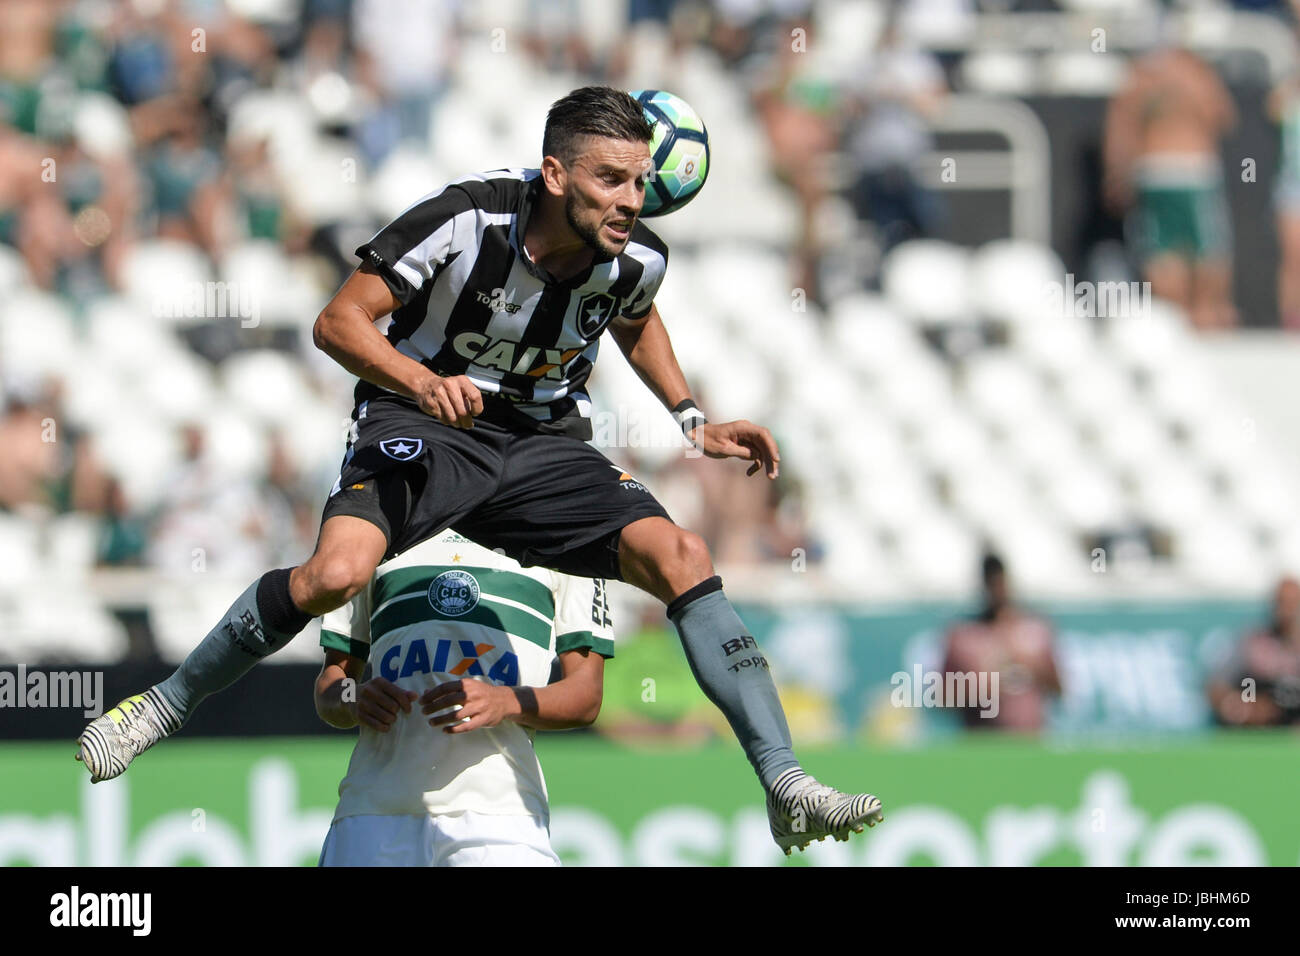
[801, 810]
[111, 741]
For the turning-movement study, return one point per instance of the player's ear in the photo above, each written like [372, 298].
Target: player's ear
[554, 175]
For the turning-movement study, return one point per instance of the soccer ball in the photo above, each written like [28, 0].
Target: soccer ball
[679, 151]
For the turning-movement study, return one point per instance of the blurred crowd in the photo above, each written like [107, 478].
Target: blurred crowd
[120, 125]
[116, 127]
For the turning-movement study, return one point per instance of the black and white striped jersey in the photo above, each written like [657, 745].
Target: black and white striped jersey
[474, 303]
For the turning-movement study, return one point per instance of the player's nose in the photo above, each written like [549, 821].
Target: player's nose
[630, 199]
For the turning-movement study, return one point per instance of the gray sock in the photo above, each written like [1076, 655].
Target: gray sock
[261, 621]
[733, 673]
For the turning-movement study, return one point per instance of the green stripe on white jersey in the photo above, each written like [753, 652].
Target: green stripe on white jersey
[448, 609]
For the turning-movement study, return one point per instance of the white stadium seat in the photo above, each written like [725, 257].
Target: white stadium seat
[1083, 73]
[268, 288]
[1000, 73]
[19, 551]
[140, 452]
[927, 280]
[1168, 493]
[405, 176]
[1010, 279]
[165, 279]
[36, 333]
[13, 271]
[1088, 498]
[72, 542]
[940, 556]
[1001, 389]
[1222, 555]
[66, 623]
[1054, 343]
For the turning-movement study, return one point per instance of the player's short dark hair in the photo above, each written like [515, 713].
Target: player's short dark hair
[592, 111]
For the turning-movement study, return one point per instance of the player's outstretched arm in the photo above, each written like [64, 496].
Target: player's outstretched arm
[572, 701]
[376, 703]
[648, 350]
[345, 331]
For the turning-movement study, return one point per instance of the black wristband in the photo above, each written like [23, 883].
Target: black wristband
[688, 415]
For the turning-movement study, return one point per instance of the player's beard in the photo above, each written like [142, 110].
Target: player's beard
[588, 234]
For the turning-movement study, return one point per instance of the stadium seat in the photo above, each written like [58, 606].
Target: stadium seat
[1167, 493]
[405, 175]
[36, 334]
[1010, 279]
[1045, 445]
[181, 389]
[894, 500]
[139, 453]
[72, 543]
[1096, 390]
[1161, 338]
[916, 392]
[237, 443]
[1054, 343]
[1087, 499]
[988, 494]
[1002, 390]
[950, 442]
[1083, 73]
[1039, 554]
[910, 277]
[330, 184]
[262, 383]
[13, 271]
[19, 551]
[940, 556]
[1262, 493]
[166, 280]
[64, 623]
[284, 118]
[1222, 555]
[867, 333]
[1136, 441]
[269, 288]
[102, 127]
[1000, 73]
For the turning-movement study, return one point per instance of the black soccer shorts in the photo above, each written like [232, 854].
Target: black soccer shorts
[549, 500]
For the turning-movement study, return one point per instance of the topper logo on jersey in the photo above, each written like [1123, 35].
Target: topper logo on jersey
[595, 310]
[458, 658]
[507, 356]
[627, 482]
[403, 449]
[454, 593]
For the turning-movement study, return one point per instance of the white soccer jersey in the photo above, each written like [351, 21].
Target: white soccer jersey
[447, 609]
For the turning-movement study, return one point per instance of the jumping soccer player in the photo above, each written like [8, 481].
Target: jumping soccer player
[450, 624]
[471, 414]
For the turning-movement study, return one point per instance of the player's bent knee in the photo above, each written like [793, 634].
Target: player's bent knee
[336, 578]
[690, 555]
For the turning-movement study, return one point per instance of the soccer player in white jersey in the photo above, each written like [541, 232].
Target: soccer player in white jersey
[461, 642]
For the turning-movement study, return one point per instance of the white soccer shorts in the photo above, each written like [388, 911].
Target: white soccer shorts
[458, 839]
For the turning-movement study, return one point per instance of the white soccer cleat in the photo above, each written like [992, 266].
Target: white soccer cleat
[801, 810]
[111, 741]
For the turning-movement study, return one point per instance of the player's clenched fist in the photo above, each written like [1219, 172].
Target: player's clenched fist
[379, 701]
[453, 400]
[481, 705]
